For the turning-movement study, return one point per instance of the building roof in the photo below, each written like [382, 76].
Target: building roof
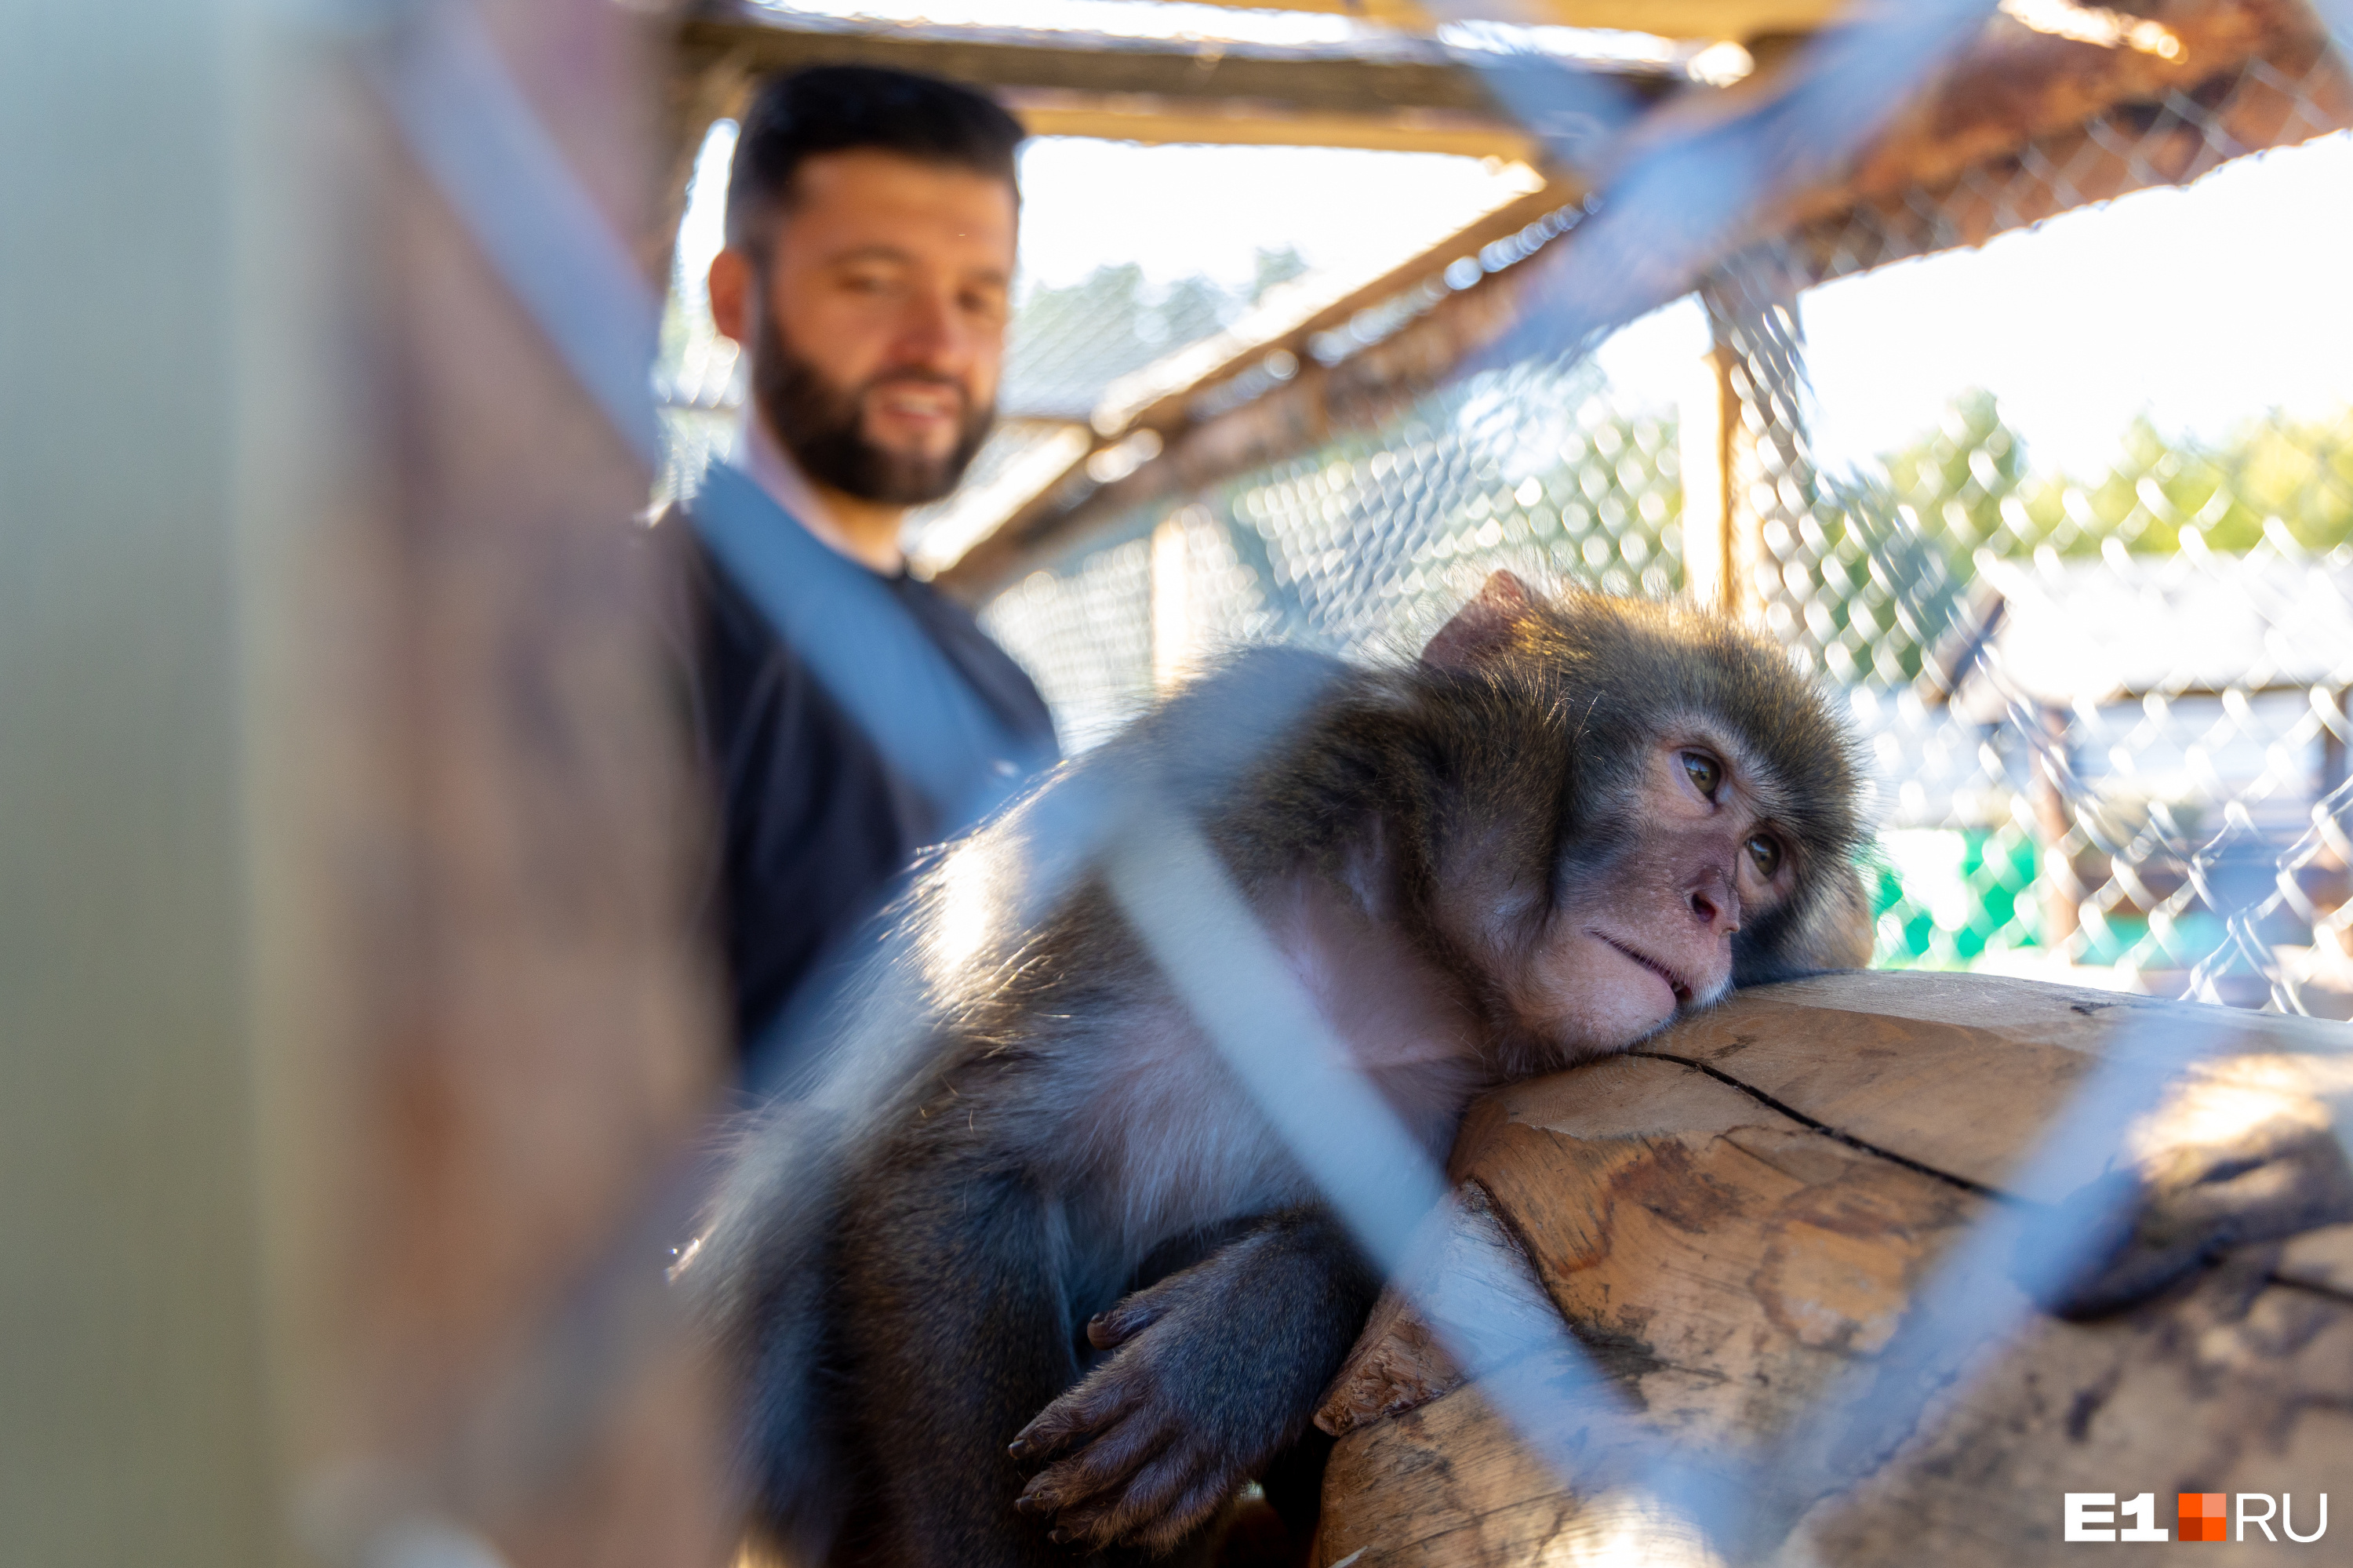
[2102, 629]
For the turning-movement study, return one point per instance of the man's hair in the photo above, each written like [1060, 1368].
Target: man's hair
[840, 109]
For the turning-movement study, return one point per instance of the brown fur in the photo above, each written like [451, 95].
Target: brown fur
[1021, 1129]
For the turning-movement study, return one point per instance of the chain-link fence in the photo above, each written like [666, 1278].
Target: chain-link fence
[1353, 546]
[2108, 711]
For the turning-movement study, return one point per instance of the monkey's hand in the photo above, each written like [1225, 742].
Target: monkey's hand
[1220, 1368]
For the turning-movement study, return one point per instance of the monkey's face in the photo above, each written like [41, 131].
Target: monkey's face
[1629, 943]
[1651, 802]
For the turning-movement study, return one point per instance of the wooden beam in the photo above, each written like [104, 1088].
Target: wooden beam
[2012, 84]
[1159, 120]
[2304, 92]
[1159, 395]
[977, 512]
[1740, 19]
[1313, 404]
[1402, 14]
[1358, 79]
[2019, 84]
[2015, 85]
[1737, 19]
[1161, 398]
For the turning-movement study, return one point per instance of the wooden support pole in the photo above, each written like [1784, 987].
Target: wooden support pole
[1710, 416]
[1172, 648]
[1734, 446]
[2332, 738]
[347, 1015]
[2062, 905]
[136, 1421]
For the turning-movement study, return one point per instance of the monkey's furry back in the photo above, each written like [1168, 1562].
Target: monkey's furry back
[1006, 954]
[977, 959]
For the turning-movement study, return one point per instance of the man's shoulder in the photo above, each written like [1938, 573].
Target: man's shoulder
[991, 672]
[928, 600]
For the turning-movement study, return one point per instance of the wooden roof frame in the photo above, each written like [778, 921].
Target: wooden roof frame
[2018, 87]
[1393, 90]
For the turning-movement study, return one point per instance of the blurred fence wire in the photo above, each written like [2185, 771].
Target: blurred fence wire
[2109, 710]
[2061, 778]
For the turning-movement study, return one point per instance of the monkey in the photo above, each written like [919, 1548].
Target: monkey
[1027, 1275]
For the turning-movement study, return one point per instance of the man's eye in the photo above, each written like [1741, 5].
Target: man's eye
[1704, 772]
[1765, 855]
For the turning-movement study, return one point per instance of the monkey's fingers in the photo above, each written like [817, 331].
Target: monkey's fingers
[1169, 1499]
[1106, 1463]
[1085, 1412]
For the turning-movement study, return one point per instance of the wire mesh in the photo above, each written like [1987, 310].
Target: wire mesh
[1351, 547]
[2199, 793]
[2141, 780]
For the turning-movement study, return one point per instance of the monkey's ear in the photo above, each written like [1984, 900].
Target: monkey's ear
[1483, 627]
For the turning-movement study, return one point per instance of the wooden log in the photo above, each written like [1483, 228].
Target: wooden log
[1736, 1221]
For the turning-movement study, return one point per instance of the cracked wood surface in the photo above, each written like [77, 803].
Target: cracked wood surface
[1734, 1220]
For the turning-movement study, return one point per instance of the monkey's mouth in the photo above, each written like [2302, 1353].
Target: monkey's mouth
[1675, 983]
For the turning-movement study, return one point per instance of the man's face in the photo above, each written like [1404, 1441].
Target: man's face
[880, 322]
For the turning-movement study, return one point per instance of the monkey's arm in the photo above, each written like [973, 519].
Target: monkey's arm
[1219, 1369]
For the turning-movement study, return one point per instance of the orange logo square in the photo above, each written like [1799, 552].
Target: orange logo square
[2202, 1517]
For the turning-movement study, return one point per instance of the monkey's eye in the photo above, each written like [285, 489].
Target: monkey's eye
[1705, 773]
[1765, 855]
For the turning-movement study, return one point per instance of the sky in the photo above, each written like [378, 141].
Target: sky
[2203, 306]
[1181, 209]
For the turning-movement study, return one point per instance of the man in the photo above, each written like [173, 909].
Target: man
[851, 714]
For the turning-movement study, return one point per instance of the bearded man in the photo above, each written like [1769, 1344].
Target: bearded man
[851, 715]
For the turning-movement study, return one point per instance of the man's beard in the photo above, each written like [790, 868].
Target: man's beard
[822, 425]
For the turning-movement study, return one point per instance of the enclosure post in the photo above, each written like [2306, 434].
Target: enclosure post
[135, 1421]
[2335, 709]
[347, 1017]
[1710, 414]
[1172, 648]
[2332, 740]
[1767, 480]
[2061, 909]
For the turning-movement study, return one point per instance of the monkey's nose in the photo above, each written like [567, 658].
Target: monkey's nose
[1716, 904]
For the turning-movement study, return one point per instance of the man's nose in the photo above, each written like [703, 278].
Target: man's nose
[931, 333]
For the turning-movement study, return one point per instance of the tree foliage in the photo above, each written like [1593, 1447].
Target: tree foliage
[1908, 541]
[1969, 485]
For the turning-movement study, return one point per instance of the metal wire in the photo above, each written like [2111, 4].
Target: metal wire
[2173, 834]
[1350, 546]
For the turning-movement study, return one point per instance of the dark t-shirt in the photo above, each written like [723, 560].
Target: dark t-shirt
[816, 828]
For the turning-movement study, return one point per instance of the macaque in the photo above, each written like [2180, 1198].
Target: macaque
[1028, 1275]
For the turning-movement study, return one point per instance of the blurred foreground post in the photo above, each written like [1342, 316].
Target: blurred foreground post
[348, 1013]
